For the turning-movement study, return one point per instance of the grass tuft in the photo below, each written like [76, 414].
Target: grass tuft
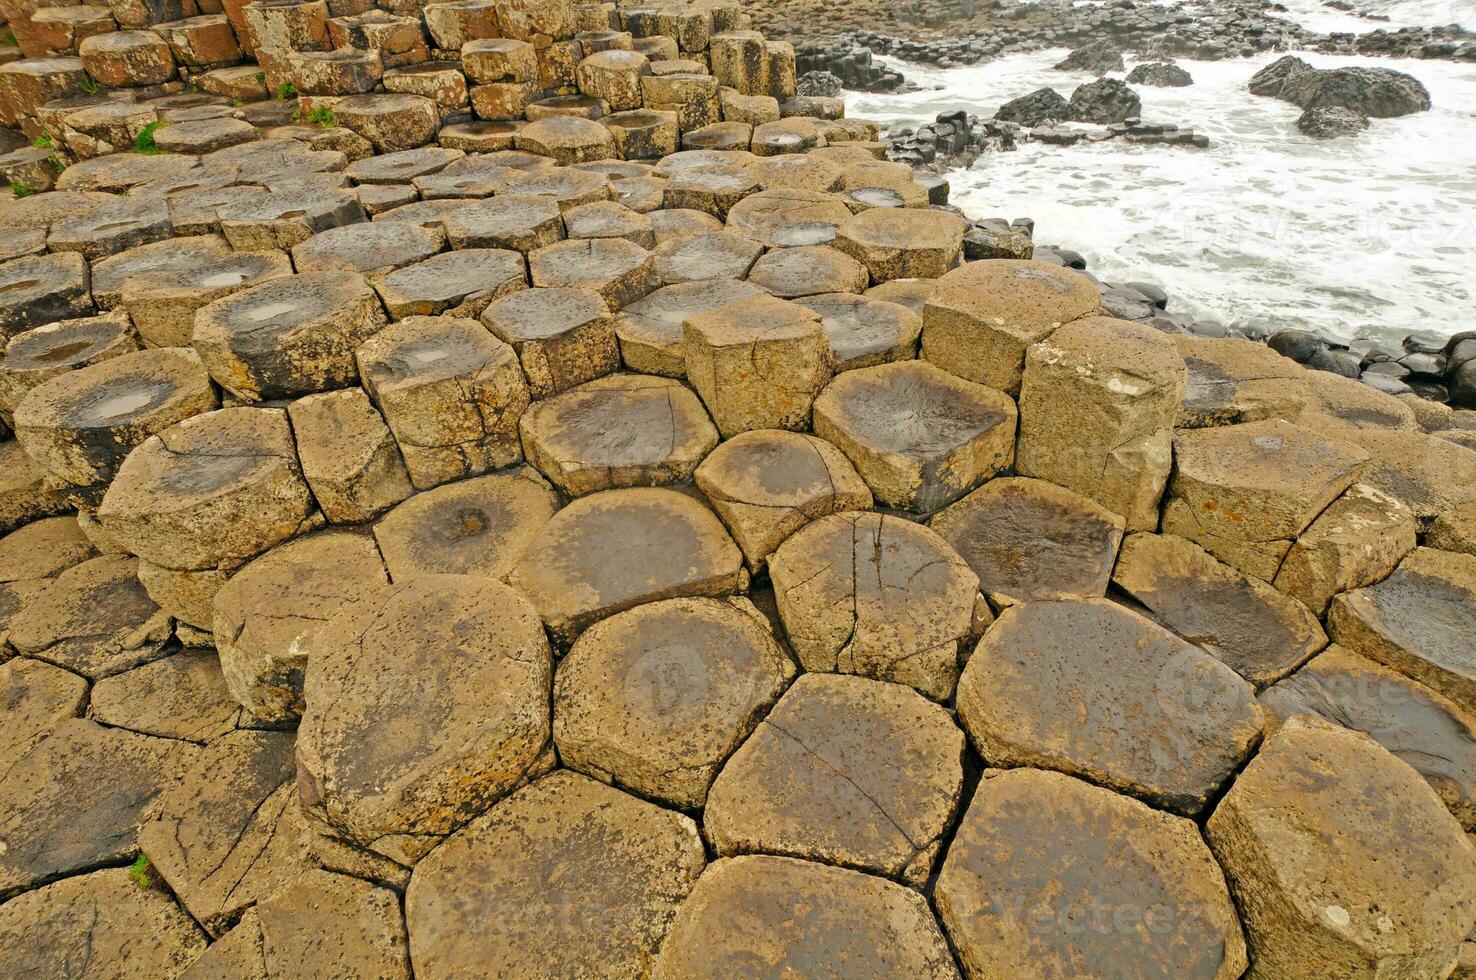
[144, 141]
[139, 872]
[21, 189]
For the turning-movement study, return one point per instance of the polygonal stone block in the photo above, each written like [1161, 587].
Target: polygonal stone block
[372, 249]
[499, 60]
[614, 76]
[210, 491]
[650, 329]
[621, 272]
[440, 81]
[41, 289]
[163, 304]
[567, 140]
[112, 228]
[124, 58]
[563, 337]
[288, 337]
[349, 457]
[789, 218]
[42, 353]
[865, 332]
[519, 222]
[627, 430]
[452, 394]
[343, 72]
[715, 189]
[716, 255]
[903, 243]
[740, 60]
[757, 363]
[276, 222]
[606, 219]
[390, 121]
[1356, 541]
[459, 283]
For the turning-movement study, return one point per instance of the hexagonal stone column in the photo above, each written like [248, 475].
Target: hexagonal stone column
[1419, 621]
[769, 483]
[1358, 540]
[707, 256]
[82, 424]
[1261, 633]
[1392, 882]
[878, 596]
[1055, 851]
[808, 270]
[614, 76]
[1092, 689]
[757, 363]
[452, 394]
[163, 304]
[782, 910]
[981, 317]
[349, 457]
[1028, 540]
[290, 336]
[210, 491]
[655, 699]
[264, 615]
[620, 271]
[613, 550]
[111, 228]
[1420, 726]
[471, 696]
[635, 862]
[903, 243]
[474, 527]
[844, 771]
[920, 437]
[180, 696]
[39, 289]
[521, 222]
[626, 430]
[566, 140]
[789, 218]
[259, 223]
[390, 121]
[865, 332]
[123, 58]
[1097, 408]
[650, 329]
[453, 283]
[1244, 492]
[563, 337]
[372, 249]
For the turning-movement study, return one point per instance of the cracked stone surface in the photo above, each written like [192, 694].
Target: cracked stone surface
[656, 699]
[792, 914]
[1038, 854]
[1029, 540]
[623, 430]
[1092, 689]
[614, 870]
[650, 329]
[613, 550]
[767, 484]
[845, 771]
[265, 615]
[183, 695]
[426, 703]
[877, 596]
[37, 698]
[1347, 904]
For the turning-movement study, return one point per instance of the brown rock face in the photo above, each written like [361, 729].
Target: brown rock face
[613, 870]
[1028, 539]
[1261, 633]
[1048, 874]
[1419, 621]
[1357, 541]
[425, 703]
[1342, 859]
[877, 596]
[792, 915]
[1089, 688]
[655, 699]
[846, 771]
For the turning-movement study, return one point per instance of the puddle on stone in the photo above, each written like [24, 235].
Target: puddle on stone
[877, 197]
[62, 353]
[427, 355]
[269, 311]
[22, 284]
[124, 403]
[223, 279]
[115, 225]
[811, 233]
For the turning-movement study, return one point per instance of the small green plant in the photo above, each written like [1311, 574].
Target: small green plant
[21, 189]
[237, 103]
[320, 116]
[139, 871]
[90, 85]
[144, 141]
[44, 141]
[56, 163]
[286, 91]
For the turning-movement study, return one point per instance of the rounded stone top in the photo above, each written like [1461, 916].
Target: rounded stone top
[788, 217]
[1101, 346]
[543, 312]
[616, 59]
[44, 352]
[1020, 291]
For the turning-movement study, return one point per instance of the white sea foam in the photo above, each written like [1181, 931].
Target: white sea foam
[1369, 235]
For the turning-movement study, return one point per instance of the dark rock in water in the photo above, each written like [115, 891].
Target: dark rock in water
[1462, 385]
[1155, 294]
[1335, 362]
[1378, 92]
[1098, 56]
[1161, 74]
[1325, 123]
[985, 242]
[1107, 100]
[1042, 106]
[1271, 80]
[822, 83]
[1299, 345]
[1388, 384]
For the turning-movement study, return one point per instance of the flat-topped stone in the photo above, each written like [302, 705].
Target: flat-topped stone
[1418, 621]
[213, 490]
[1356, 541]
[112, 228]
[650, 329]
[865, 332]
[473, 527]
[655, 699]
[288, 336]
[1087, 687]
[903, 243]
[706, 256]
[39, 289]
[182, 696]
[37, 698]
[397, 753]
[1232, 380]
[521, 222]
[633, 863]
[42, 353]
[614, 550]
[1052, 848]
[843, 770]
[1261, 633]
[264, 616]
[563, 336]
[789, 218]
[372, 249]
[1417, 724]
[608, 219]
[348, 454]
[566, 139]
[875, 595]
[920, 437]
[459, 283]
[624, 430]
[1391, 882]
[452, 394]
[808, 270]
[280, 221]
[163, 304]
[1029, 540]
